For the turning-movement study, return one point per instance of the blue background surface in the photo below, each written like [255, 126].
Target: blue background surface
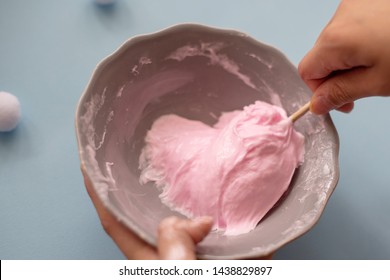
[48, 50]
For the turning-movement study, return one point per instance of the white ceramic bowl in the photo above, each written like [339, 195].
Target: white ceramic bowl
[197, 72]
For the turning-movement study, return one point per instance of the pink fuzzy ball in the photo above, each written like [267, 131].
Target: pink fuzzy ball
[9, 111]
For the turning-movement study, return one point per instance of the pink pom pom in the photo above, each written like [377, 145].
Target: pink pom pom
[9, 111]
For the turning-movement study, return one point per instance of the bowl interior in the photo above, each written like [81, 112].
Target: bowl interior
[197, 72]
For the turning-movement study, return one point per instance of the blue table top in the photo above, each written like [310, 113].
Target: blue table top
[48, 50]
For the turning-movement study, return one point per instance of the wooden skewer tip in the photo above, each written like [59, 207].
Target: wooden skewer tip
[300, 112]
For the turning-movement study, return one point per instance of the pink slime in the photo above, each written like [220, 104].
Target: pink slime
[234, 171]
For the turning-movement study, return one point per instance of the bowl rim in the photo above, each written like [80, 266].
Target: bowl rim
[99, 68]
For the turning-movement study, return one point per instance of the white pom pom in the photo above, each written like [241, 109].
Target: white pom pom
[9, 111]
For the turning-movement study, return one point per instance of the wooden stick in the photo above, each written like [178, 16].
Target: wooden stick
[300, 112]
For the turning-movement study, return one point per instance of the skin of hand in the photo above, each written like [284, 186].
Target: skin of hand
[351, 57]
[176, 240]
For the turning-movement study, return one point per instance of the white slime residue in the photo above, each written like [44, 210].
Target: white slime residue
[211, 51]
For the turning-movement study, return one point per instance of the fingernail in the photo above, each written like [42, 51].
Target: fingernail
[204, 220]
[321, 105]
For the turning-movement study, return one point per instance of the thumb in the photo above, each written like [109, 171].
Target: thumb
[341, 89]
[177, 237]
